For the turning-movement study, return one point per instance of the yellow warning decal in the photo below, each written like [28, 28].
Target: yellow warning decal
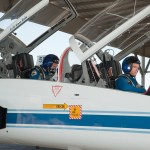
[55, 106]
[75, 112]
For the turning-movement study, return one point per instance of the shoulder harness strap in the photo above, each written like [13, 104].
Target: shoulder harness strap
[41, 71]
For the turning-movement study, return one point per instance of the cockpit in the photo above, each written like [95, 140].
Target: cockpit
[127, 31]
[94, 72]
[26, 25]
[109, 29]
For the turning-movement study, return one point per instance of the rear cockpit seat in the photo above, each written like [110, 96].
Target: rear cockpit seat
[75, 74]
[22, 64]
[93, 74]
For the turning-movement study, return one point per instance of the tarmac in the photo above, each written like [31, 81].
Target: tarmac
[16, 147]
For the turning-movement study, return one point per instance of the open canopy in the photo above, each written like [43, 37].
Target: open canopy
[109, 20]
[101, 17]
[28, 23]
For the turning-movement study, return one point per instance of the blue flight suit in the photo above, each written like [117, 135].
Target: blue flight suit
[127, 82]
[39, 73]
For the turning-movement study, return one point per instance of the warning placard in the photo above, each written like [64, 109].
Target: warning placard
[56, 89]
[75, 112]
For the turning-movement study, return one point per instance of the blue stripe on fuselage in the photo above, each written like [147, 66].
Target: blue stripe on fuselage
[115, 121]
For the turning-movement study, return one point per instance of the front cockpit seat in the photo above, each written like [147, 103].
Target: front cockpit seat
[22, 64]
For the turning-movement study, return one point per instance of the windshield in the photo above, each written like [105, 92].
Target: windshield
[37, 17]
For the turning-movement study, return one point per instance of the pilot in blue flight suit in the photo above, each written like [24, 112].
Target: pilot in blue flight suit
[47, 70]
[127, 81]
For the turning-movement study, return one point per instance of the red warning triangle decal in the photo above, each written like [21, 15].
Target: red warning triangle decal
[56, 89]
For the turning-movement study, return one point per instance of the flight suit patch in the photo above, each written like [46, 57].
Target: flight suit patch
[34, 72]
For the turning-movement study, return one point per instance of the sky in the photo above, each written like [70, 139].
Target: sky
[56, 44]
